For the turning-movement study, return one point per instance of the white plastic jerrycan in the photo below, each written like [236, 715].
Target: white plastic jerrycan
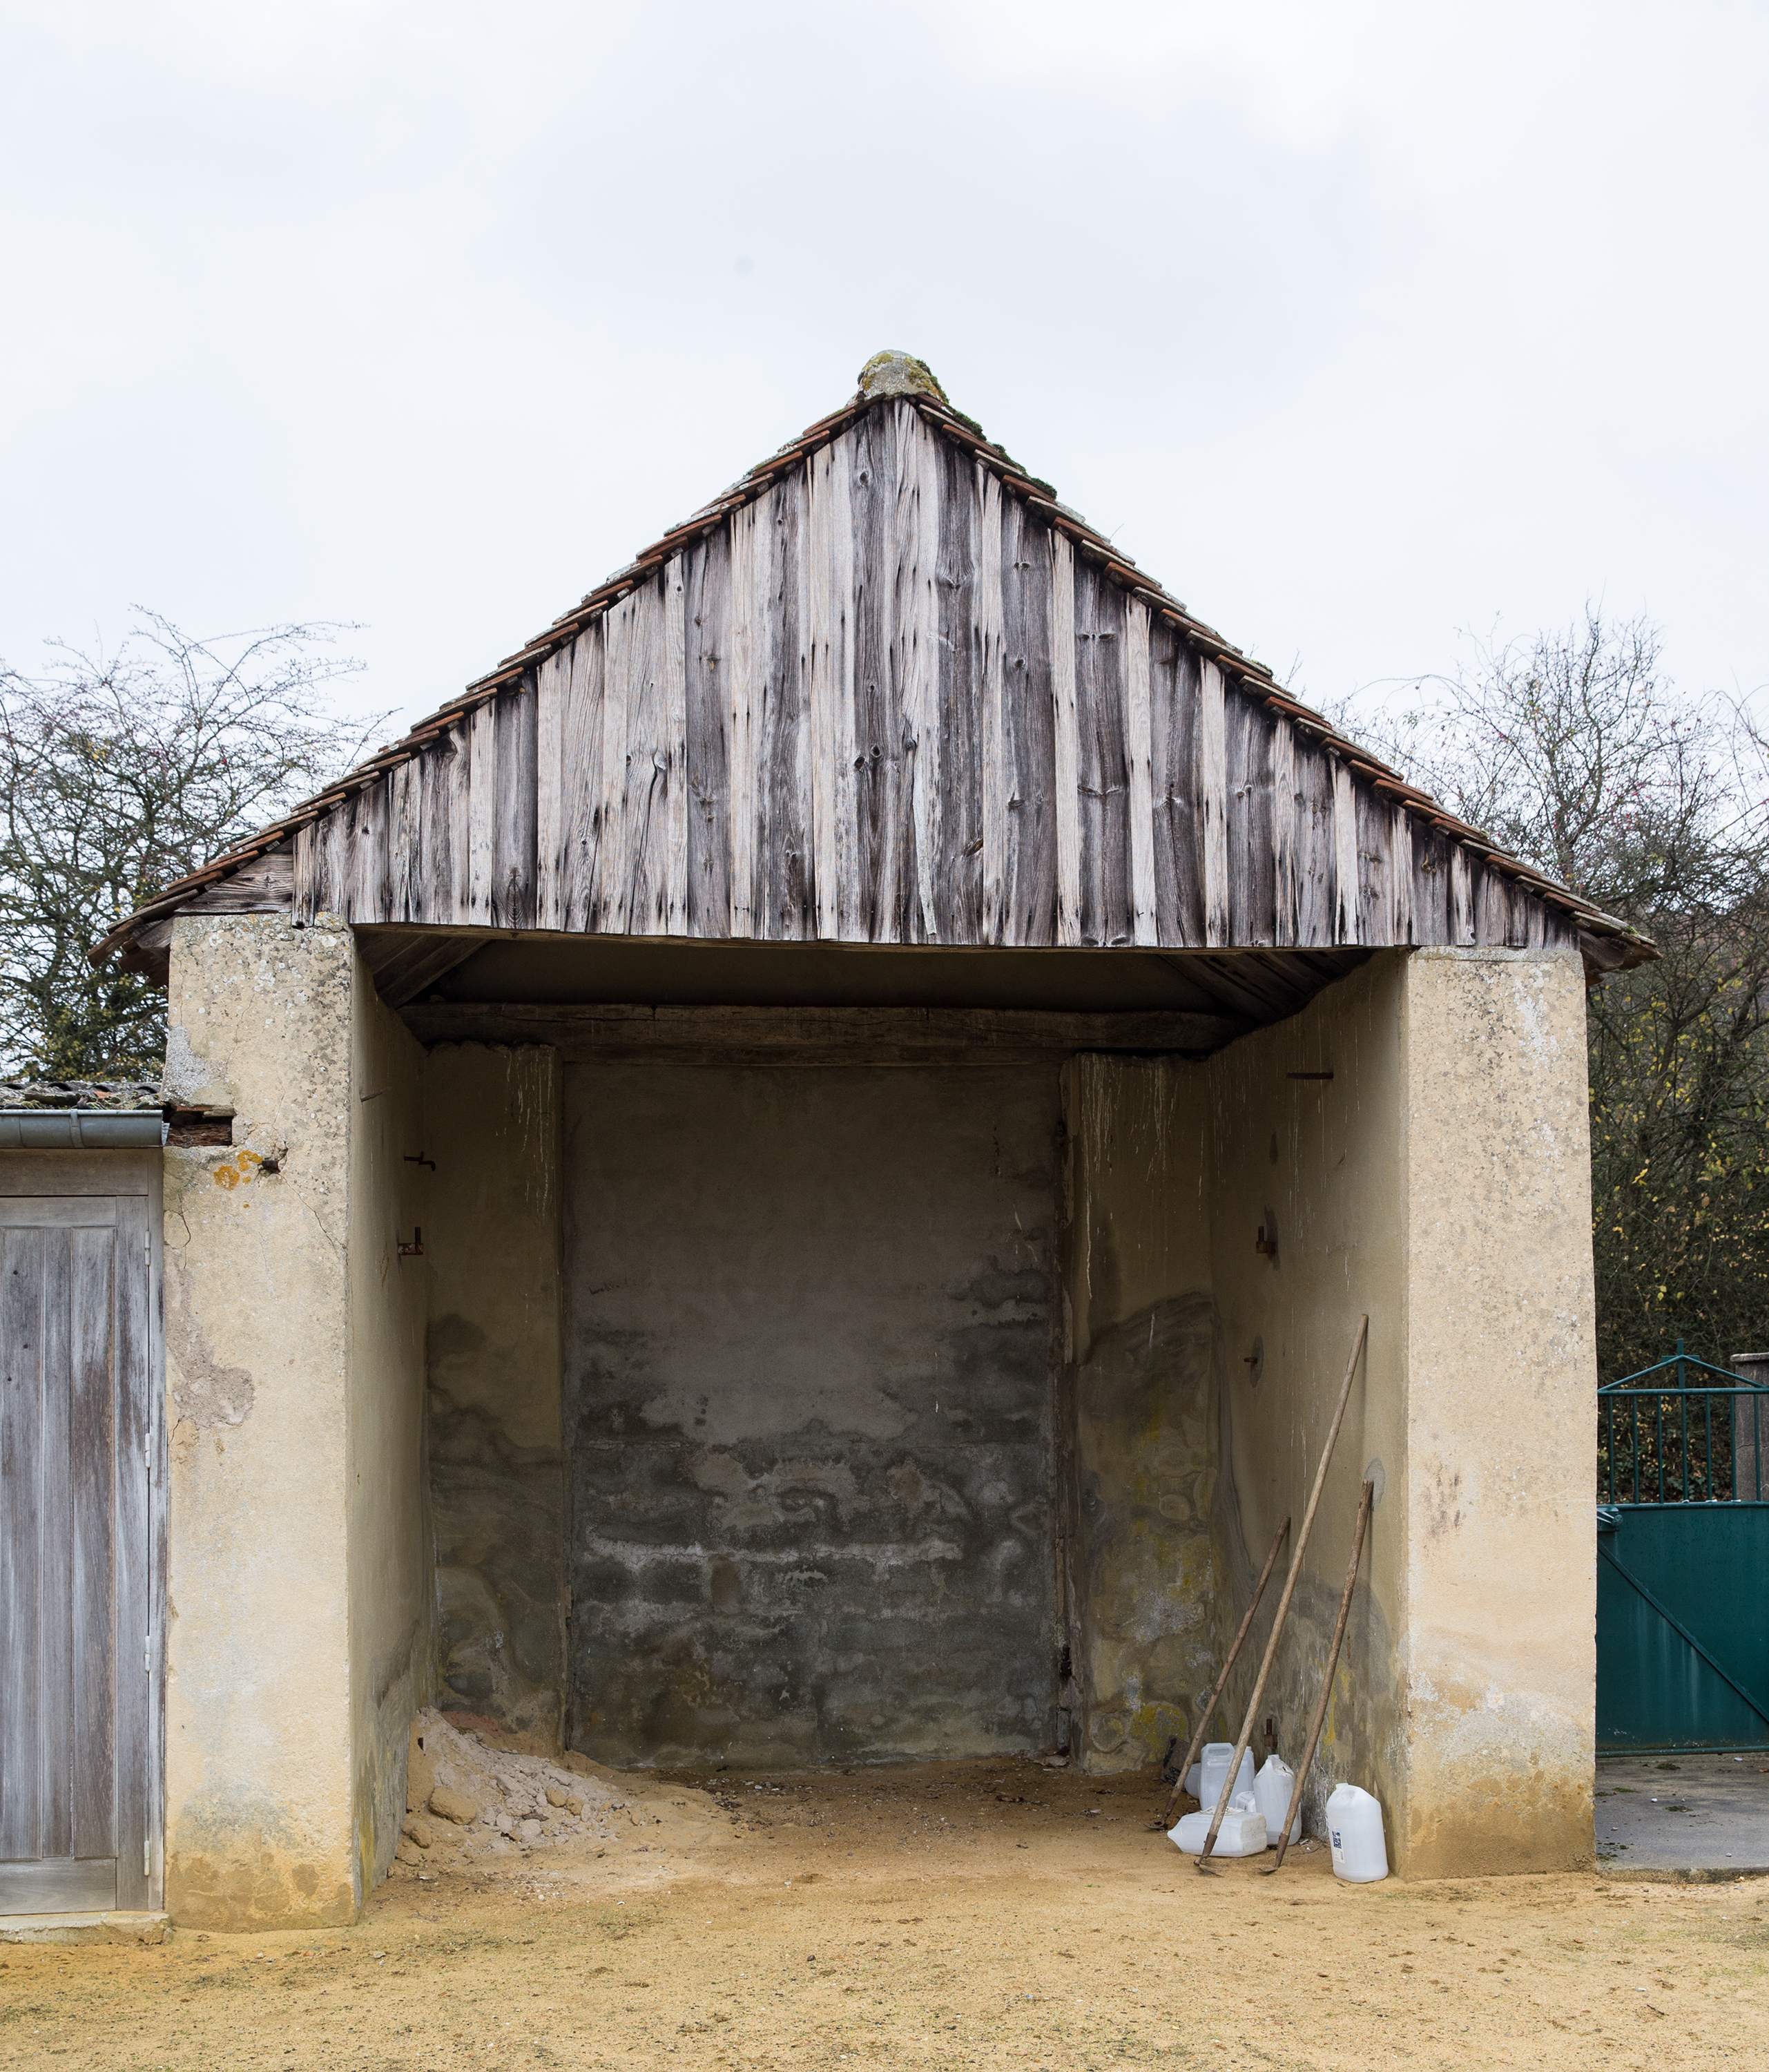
[1271, 1791]
[1243, 1834]
[1215, 1767]
[1194, 1782]
[1354, 1827]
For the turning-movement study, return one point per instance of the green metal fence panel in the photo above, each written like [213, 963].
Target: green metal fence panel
[1682, 1625]
[1683, 1431]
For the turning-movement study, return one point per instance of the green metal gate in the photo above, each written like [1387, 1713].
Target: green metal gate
[1683, 1559]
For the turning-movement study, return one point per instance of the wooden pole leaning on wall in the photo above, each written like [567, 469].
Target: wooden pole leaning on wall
[1203, 1726]
[1291, 1581]
[1366, 1504]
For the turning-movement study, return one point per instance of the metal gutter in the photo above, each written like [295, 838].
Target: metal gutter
[79, 1129]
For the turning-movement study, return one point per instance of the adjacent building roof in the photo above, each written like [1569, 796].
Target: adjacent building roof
[888, 689]
[107, 1096]
[103, 1114]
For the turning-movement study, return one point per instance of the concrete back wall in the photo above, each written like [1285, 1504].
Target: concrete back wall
[808, 1371]
[497, 1483]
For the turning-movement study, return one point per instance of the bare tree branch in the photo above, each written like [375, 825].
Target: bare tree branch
[120, 772]
[1575, 753]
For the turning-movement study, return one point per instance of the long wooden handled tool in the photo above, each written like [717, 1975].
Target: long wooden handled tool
[1290, 1582]
[1364, 1507]
[1166, 1820]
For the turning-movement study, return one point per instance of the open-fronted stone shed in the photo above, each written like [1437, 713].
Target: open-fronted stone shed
[802, 1166]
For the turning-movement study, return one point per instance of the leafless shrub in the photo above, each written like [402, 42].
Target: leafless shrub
[1575, 751]
[119, 773]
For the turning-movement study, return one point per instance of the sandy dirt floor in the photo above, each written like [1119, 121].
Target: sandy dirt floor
[996, 1914]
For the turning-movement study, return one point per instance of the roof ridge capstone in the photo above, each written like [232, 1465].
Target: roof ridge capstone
[899, 374]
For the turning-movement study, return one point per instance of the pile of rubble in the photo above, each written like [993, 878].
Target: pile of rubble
[465, 1799]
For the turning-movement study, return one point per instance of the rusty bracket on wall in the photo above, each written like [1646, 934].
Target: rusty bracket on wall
[415, 1249]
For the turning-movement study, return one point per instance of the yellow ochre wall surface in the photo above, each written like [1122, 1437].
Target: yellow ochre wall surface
[295, 1568]
[1500, 1649]
[1439, 1180]
[391, 1590]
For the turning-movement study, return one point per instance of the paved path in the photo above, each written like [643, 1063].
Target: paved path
[1700, 1816]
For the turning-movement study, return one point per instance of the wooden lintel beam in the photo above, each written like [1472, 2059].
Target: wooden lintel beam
[786, 1035]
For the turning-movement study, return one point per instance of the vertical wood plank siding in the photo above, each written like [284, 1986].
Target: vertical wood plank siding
[877, 774]
[1029, 778]
[783, 862]
[1065, 720]
[829, 593]
[707, 785]
[1103, 777]
[25, 1256]
[134, 1708]
[75, 1702]
[954, 708]
[886, 702]
[1139, 756]
[92, 1434]
[1175, 690]
[915, 635]
[1210, 803]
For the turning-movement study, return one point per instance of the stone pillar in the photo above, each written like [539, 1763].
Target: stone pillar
[277, 1386]
[1414, 1146]
[1751, 1431]
[1498, 1650]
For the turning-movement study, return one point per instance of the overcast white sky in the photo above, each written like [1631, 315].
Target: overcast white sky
[1357, 324]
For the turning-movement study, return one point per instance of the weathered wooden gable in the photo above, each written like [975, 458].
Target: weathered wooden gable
[888, 700]
[886, 689]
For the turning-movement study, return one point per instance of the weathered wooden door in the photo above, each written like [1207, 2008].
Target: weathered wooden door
[76, 1687]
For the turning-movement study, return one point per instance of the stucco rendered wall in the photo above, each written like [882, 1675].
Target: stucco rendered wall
[391, 1594]
[1138, 1438]
[288, 1377]
[1500, 1649]
[1321, 1162]
[834, 1430]
[497, 1478]
[1439, 1181]
[808, 1362]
